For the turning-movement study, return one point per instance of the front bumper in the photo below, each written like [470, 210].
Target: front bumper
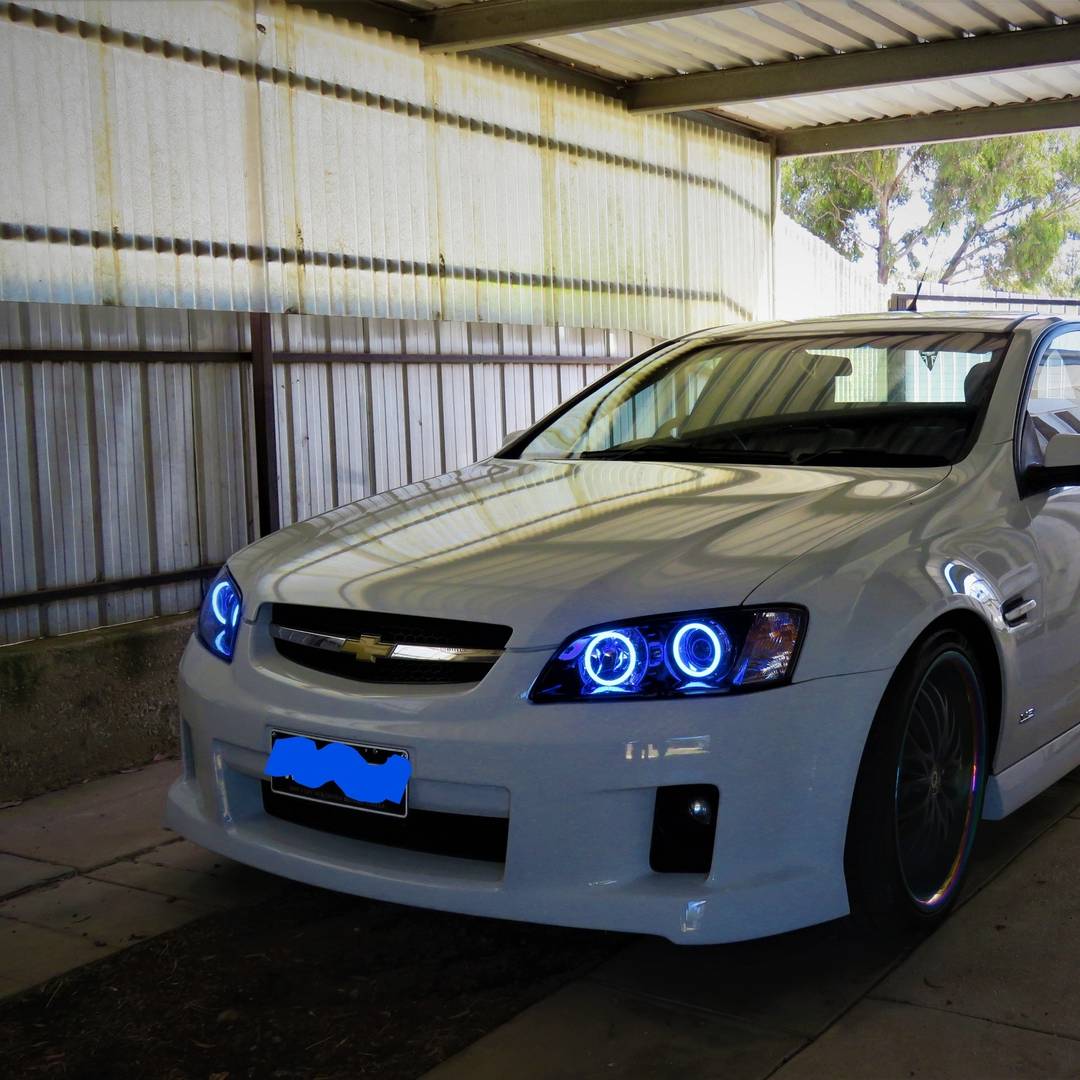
[577, 782]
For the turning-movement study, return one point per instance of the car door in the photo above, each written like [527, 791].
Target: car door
[1052, 662]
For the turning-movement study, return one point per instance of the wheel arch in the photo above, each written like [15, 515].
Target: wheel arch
[981, 638]
[979, 635]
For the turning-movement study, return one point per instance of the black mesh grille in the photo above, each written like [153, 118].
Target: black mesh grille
[463, 836]
[406, 629]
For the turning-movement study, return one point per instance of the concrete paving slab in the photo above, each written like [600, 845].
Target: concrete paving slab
[91, 824]
[890, 1041]
[17, 873]
[588, 1030]
[798, 983]
[184, 855]
[1011, 954]
[227, 886]
[999, 842]
[32, 954]
[100, 911]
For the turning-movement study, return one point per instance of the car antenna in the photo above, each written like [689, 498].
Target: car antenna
[913, 303]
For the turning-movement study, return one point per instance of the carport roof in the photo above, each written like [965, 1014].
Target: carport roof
[814, 76]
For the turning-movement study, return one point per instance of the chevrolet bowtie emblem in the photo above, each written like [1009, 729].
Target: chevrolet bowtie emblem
[367, 647]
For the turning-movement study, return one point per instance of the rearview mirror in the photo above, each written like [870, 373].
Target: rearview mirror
[1061, 464]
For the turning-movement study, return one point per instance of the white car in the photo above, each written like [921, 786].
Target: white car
[749, 634]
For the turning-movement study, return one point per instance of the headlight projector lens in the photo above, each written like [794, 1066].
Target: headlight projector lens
[700, 650]
[610, 659]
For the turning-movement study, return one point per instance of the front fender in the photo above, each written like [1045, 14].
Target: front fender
[873, 590]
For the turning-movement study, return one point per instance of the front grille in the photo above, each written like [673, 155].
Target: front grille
[464, 836]
[401, 629]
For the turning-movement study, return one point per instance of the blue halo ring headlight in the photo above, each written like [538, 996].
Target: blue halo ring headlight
[700, 650]
[610, 658]
[682, 654]
[611, 661]
[224, 601]
[219, 616]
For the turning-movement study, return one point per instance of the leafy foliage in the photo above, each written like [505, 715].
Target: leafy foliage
[1003, 207]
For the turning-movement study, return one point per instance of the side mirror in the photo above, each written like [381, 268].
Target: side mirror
[513, 436]
[1062, 452]
[1061, 464]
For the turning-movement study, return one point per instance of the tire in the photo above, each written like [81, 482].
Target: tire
[919, 793]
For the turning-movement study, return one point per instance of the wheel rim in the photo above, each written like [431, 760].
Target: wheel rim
[939, 780]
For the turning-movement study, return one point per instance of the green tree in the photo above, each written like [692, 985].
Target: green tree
[1003, 207]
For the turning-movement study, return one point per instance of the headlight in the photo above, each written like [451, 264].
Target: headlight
[707, 652]
[219, 616]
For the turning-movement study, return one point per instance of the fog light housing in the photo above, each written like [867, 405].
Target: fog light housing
[684, 829]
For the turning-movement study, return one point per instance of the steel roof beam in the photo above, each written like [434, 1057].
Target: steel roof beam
[983, 55]
[370, 13]
[503, 22]
[933, 127]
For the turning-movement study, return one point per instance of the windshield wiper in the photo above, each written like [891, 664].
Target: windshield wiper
[688, 452]
[859, 455]
[695, 452]
[615, 453]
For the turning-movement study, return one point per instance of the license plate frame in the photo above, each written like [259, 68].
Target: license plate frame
[330, 794]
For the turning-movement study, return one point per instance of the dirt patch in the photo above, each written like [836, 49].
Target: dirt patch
[311, 984]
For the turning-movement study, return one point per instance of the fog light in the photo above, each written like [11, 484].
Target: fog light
[684, 829]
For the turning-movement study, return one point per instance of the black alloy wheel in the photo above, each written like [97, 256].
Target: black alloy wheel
[919, 794]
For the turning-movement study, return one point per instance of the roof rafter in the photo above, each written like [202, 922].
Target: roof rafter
[503, 22]
[369, 13]
[982, 55]
[932, 127]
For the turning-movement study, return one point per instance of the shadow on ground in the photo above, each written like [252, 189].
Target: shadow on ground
[312, 983]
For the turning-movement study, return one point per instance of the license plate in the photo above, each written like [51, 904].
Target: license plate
[329, 792]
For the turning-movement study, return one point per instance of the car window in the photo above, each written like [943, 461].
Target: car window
[1053, 403]
[879, 398]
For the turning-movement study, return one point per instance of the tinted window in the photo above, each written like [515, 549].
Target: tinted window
[1053, 403]
[911, 399]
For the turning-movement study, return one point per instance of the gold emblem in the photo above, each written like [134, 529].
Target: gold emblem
[367, 647]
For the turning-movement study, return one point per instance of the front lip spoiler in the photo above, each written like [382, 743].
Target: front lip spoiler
[384, 650]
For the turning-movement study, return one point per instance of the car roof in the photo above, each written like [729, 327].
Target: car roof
[989, 322]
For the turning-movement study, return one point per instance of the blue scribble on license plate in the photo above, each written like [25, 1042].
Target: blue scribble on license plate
[360, 780]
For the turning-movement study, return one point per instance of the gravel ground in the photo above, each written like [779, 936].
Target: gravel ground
[311, 984]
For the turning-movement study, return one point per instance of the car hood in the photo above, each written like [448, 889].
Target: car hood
[548, 547]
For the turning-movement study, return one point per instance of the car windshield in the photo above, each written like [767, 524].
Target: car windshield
[845, 399]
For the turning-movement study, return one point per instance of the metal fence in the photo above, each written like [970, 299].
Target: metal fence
[814, 280]
[130, 449]
[936, 297]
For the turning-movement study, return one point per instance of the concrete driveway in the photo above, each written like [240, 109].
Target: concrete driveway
[88, 874]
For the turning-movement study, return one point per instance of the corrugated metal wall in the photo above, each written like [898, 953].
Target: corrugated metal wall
[112, 468]
[225, 154]
[170, 165]
[812, 279]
